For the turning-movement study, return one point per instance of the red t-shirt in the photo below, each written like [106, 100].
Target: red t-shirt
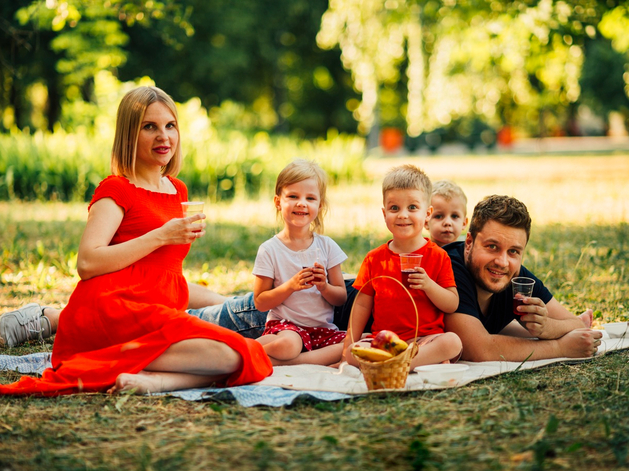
[392, 308]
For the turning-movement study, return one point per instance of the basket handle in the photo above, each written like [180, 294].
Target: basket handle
[351, 313]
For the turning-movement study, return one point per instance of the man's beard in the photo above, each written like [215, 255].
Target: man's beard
[476, 272]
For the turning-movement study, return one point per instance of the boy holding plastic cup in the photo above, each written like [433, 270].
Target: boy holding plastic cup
[409, 263]
[406, 196]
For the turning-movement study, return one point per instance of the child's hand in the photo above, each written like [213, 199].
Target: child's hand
[320, 278]
[419, 279]
[301, 280]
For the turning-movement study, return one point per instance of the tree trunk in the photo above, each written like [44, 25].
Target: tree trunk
[53, 105]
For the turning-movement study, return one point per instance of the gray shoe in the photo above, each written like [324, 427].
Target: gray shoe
[25, 323]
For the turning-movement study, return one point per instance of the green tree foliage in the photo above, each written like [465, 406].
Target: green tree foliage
[275, 64]
[258, 53]
[61, 45]
[504, 62]
[602, 78]
[25, 58]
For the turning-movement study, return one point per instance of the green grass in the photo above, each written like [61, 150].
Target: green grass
[565, 416]
[218, 166]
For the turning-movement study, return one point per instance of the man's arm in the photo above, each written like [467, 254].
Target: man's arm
[515, 329]
[479, 345]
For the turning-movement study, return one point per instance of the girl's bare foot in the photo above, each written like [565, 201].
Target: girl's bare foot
[141, 383]
[587, 318]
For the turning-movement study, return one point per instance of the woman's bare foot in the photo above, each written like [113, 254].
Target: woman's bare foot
[587, 317]
[160, 381]
[141, 383]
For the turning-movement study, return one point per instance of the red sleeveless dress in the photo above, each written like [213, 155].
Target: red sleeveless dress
[122, 321]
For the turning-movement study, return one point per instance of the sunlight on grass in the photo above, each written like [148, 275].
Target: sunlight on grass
[13, 211]
[559, 189]
[565, 189]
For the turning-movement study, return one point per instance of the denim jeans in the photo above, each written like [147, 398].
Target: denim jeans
[238, 313]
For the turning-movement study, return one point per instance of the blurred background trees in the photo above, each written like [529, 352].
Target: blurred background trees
[255, 63]
[525, 64]
[303, 67]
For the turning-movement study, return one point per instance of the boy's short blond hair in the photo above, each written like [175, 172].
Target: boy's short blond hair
[447, 190]
[407, 177]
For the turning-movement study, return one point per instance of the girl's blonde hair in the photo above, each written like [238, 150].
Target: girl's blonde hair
[300, 170]
[128, 121]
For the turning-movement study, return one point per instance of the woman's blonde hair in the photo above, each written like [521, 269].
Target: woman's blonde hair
[300, 170]
[128, 120]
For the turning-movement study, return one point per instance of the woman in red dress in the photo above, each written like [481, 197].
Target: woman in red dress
[125, 327]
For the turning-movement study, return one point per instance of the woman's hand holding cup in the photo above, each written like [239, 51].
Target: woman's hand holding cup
[193, 213]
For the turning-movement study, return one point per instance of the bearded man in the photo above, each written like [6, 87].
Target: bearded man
[484, 265]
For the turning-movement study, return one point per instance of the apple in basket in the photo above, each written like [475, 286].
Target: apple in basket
[389, 342]
[384, 346]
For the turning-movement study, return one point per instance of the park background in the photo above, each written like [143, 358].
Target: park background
[526, 98]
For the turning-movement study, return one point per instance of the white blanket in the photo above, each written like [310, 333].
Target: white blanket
[287, 383]
[349, 380]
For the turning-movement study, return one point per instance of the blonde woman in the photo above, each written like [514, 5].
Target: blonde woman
[125, 327]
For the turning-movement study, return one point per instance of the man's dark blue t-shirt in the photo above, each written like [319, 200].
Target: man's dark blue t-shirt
[500, 311]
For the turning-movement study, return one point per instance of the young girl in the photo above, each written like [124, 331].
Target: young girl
[297, 291]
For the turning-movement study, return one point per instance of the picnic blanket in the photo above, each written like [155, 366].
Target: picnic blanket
[288, 383]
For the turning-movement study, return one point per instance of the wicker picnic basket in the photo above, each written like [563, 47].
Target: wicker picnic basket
[391, 373]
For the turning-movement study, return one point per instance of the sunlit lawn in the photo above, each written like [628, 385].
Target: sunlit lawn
[566, 416]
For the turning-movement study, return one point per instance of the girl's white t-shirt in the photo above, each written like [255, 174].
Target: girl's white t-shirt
[307, 307]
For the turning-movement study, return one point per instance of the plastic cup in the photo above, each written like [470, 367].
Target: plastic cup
[190, 208]
[409, 263]
[522, 287]
[309, 257]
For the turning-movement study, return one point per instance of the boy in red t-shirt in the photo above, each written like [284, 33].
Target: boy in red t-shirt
[406, 192]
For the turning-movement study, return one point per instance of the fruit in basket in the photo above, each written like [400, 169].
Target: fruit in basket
[389, 342]
[370, 353]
